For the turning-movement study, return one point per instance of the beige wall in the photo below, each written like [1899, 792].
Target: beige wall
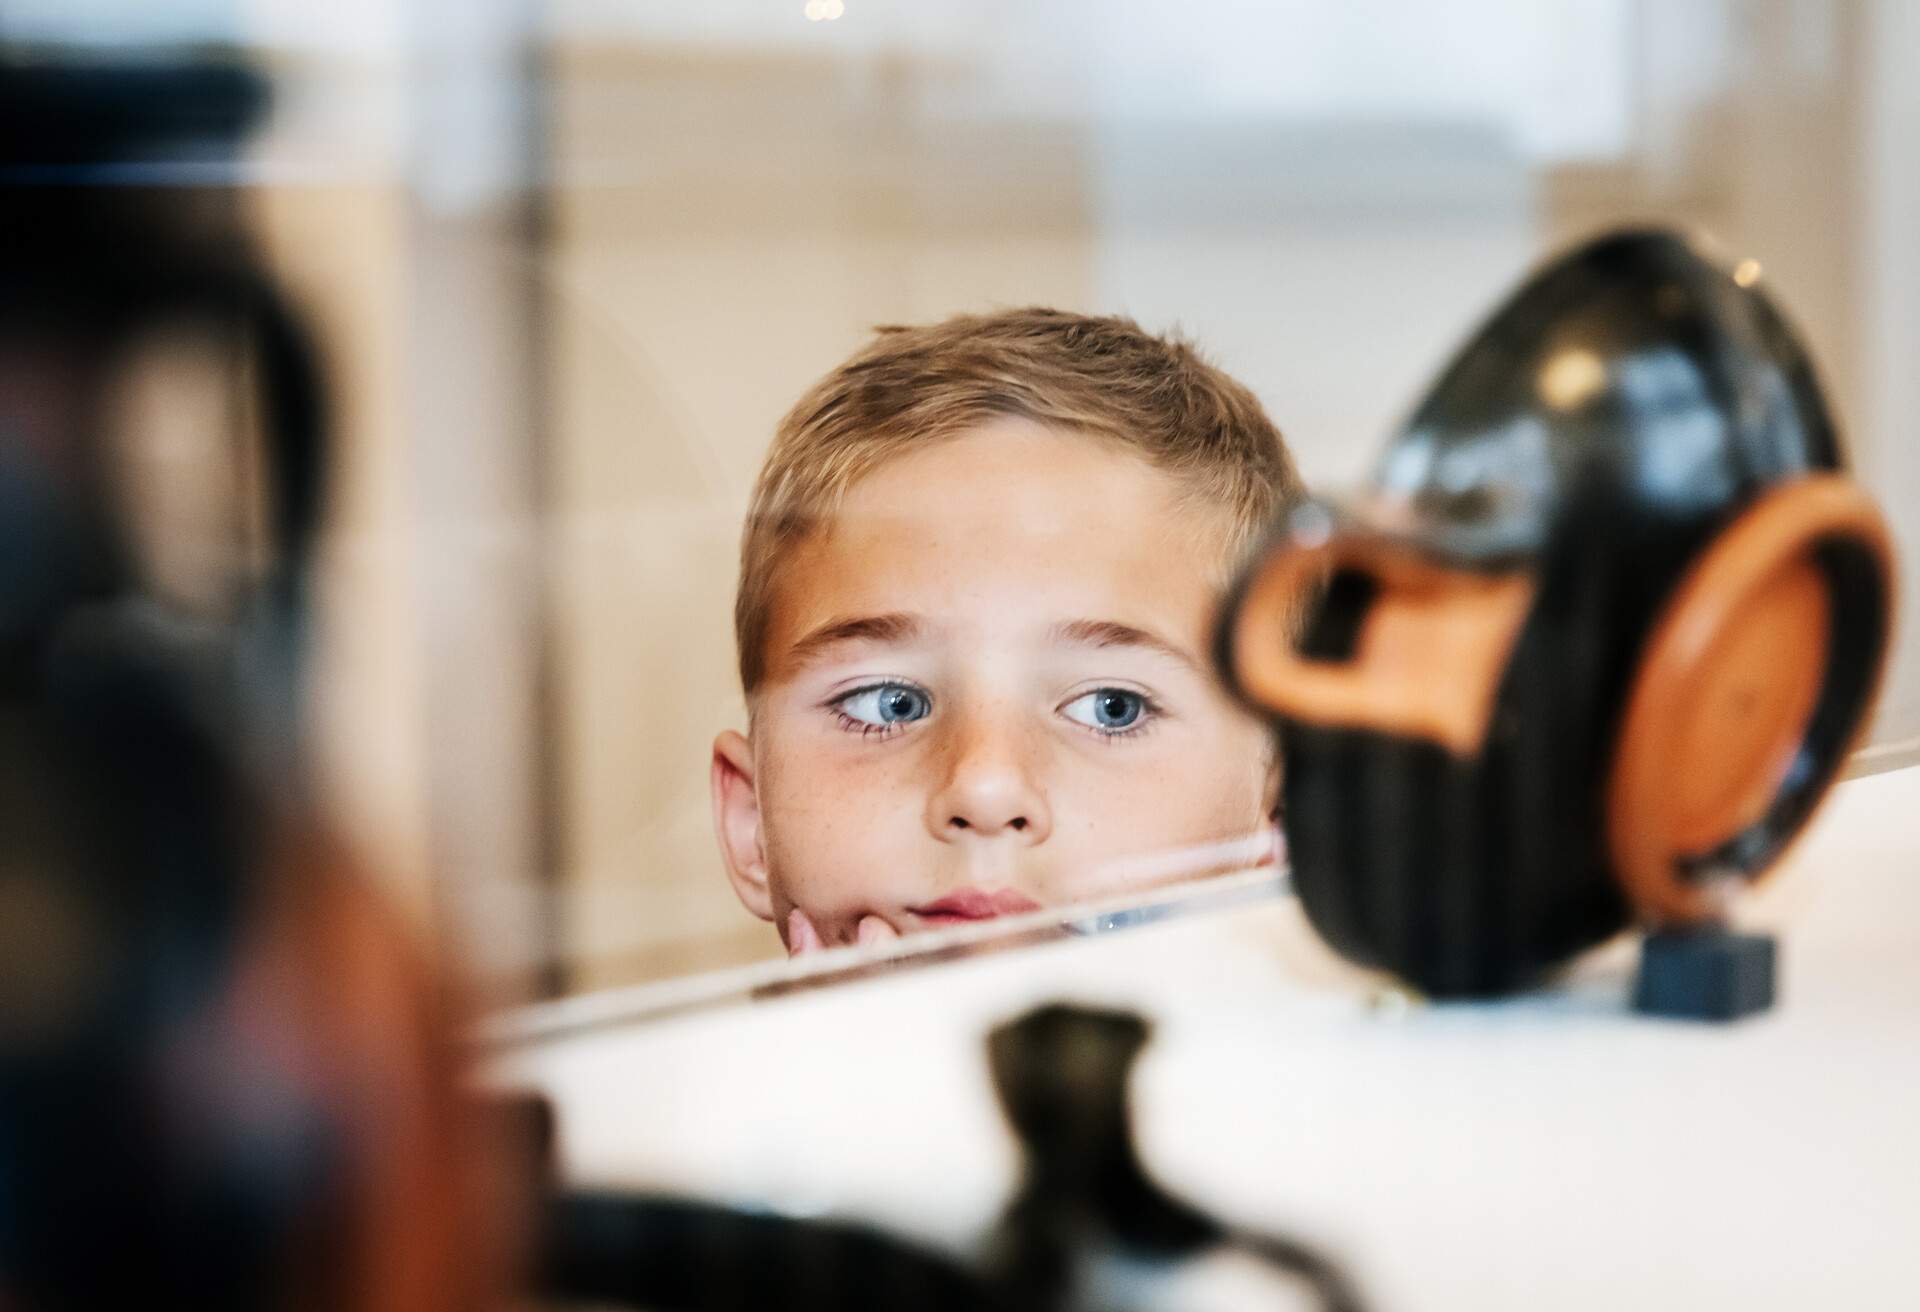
[430, 659]
[340, 248]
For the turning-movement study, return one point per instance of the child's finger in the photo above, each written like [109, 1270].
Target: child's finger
[802, 937]
[874, 930]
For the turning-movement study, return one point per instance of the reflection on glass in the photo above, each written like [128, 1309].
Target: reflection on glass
[555, 398]
[1320, 202]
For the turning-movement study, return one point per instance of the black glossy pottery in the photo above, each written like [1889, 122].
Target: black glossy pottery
[1592, 645]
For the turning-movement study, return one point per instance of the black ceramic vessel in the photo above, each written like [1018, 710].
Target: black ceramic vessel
[1592, 645]
[130, 827]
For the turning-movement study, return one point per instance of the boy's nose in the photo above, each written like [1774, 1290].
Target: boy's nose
[989, 790]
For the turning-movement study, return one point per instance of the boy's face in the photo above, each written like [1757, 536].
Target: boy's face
[987, 688]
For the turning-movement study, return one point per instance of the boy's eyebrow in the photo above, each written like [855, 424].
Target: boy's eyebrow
[869, 628]
[1112, 633]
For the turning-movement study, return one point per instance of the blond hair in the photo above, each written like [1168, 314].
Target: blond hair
[1104, 377]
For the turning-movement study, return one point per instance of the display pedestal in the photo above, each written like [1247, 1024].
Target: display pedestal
[1705, 974]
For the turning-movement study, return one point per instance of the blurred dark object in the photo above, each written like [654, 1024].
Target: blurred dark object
[227, 1077]
[64, 110]
[1595, 644]
[1062, 1073]
[678, 1255]
[1062, 1076]
[122, 225]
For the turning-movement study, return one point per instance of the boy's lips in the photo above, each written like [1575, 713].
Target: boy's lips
[975, 904]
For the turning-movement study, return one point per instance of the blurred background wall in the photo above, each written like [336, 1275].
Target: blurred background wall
[573, 260]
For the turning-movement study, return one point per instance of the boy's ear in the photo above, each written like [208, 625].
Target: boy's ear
[736, 820]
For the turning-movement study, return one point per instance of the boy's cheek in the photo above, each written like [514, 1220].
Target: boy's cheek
[837, 846]
[833, 799]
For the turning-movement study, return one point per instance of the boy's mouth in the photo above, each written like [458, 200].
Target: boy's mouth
[971, 904]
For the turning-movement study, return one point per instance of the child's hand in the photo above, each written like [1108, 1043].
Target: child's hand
[803, 937]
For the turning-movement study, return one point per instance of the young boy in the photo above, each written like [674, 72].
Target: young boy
[977, 587]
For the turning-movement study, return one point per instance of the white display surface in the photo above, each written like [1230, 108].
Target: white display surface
[1554, 1151]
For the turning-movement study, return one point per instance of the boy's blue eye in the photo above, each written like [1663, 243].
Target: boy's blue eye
[887, 703]
[1109, 710]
